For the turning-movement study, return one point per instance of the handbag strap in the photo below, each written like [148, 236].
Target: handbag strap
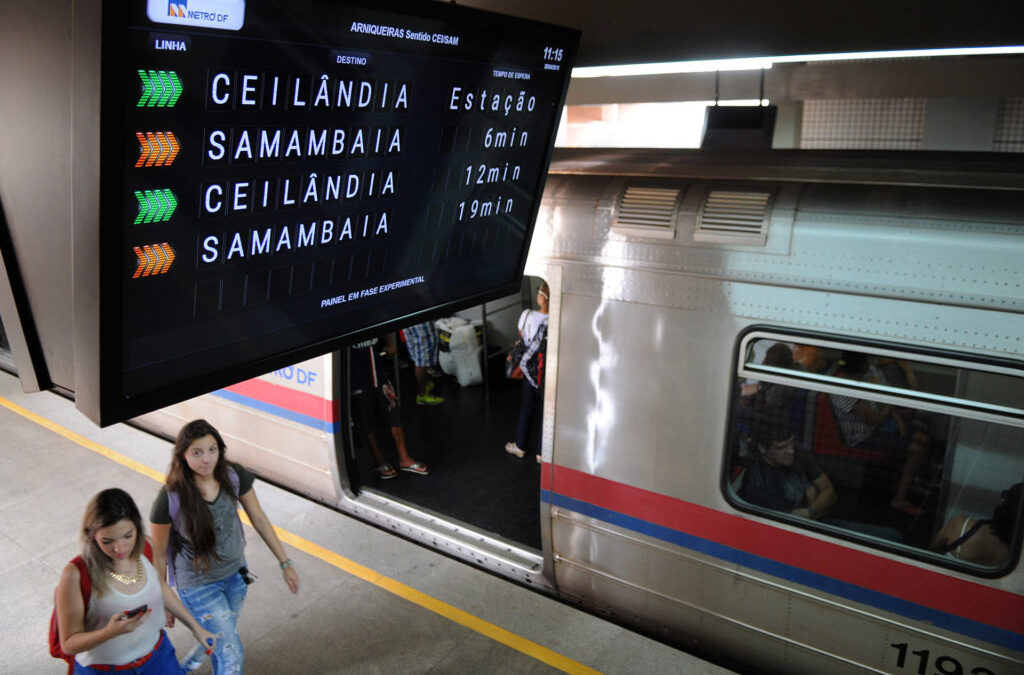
[524, 319]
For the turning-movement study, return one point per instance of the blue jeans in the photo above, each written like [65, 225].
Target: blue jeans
[216, 606]
[163, 662]
[528, 408]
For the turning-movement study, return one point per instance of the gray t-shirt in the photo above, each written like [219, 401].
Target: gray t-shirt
[227, 531]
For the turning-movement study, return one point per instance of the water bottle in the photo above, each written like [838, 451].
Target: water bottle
[194, 658]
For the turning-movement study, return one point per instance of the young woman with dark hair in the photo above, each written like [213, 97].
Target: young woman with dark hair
[106, 634]
[196, 529]
[985, 542]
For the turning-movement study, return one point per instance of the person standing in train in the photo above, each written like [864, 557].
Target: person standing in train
[533, 330]
[864, 424]
[421, 340]
[375, 402]
[120, 627]
[198, 539]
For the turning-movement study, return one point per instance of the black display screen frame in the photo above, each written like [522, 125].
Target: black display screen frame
[129, 384]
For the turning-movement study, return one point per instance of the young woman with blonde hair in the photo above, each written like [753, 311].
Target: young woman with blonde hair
[106, 634]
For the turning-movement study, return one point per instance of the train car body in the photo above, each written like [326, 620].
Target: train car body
[671, 275]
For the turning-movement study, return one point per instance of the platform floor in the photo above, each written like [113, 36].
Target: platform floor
[369, 602]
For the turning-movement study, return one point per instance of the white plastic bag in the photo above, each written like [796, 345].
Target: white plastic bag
[445, 328]
[465, 351]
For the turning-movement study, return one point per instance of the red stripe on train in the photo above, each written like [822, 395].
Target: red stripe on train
[312, 405]
[925, 587]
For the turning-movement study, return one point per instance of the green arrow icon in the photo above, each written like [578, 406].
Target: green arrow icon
[147, 89]
[176, 88]
[155, 206]
[160, 89]
[150, 207]
[165, 89]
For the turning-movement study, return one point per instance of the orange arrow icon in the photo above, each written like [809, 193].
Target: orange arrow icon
[156, 148]
[153, 259]
[168, 257]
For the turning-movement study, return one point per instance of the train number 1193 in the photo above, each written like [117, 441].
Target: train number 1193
[943, 665]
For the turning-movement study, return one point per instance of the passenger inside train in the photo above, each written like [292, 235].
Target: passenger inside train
[421, 341]
[472, 479]
[982, 541]
[880, 427]
[951, 481]
[781, 478]
[375, 405]
[533, 329]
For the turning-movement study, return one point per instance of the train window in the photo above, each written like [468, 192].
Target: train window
[912, 452]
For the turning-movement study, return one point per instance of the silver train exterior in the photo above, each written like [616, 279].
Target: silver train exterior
[669, 273]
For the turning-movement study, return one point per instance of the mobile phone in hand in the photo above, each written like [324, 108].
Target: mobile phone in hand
[135, 612]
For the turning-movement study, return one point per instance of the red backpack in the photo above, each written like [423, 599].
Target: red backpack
[85, 585]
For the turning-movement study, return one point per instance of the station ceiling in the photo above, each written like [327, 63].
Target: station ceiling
[649, 31]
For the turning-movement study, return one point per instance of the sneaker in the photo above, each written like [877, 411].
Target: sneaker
[428, 399]
[513, 449]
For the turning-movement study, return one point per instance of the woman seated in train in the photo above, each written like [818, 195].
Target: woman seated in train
[985, 542]
[780, 478]
[866, 424]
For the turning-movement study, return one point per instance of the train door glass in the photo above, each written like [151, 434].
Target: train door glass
[913, 452]
[445, 416]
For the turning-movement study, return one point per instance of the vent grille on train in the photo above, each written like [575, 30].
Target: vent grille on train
[732, 216]
[647, 211]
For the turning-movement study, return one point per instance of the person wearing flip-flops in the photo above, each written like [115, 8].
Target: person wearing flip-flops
[375, 404]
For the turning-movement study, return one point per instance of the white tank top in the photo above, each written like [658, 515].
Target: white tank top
[129, 646]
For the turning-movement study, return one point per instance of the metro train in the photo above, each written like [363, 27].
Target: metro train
[672, 275]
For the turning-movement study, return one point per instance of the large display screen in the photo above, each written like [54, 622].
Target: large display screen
[281, 177]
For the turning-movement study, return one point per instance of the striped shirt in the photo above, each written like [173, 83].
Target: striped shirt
[854, 430]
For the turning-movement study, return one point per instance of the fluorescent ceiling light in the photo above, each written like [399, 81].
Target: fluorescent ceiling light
[764, 63]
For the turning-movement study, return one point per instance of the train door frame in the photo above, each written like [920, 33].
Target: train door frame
[343, 458]
[455, 537]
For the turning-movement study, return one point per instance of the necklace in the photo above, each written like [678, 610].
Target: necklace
[124, 578]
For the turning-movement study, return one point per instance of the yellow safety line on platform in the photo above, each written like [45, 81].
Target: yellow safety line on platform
[496, 633]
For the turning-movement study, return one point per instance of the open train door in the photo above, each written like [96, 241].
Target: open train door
[455, 422]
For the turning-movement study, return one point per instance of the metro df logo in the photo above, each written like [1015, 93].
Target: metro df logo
[219, 14]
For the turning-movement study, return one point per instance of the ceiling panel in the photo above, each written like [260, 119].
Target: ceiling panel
[645, 31]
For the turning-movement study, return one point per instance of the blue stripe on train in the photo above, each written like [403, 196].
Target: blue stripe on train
[263, 406]
[865, 596]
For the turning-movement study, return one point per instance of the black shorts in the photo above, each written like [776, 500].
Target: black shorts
[376, 407]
